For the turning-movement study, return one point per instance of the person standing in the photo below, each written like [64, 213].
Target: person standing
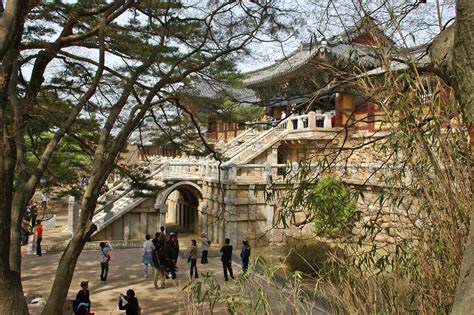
[163, 232]
[33, 213]
[104, 258]
[44, 201]
[82, 304]
[205, 248]
[174, 239]
[132, 307]
[193, 258]
[226, 259]
[245, 255]
[38, 236]
[148, 249]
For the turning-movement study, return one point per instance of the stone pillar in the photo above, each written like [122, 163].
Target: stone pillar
[311, 120]
[70, 215]
[162, 210]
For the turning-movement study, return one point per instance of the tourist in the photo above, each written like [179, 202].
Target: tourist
[156, 241]
[159, 264]
[245, 255]
[193, 259]
[163, 232]
[44, 200]
[132, 307]
[38, 236]
[205, 248]
[226, 259]
[82, 304]
[104, 258]
[170, 253]
[148, 249]
[33, 213]
[174, 238]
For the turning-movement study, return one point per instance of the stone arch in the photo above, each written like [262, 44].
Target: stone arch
[160, 202]
[193, 195]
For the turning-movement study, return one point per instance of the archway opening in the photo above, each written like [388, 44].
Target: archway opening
[182, 214]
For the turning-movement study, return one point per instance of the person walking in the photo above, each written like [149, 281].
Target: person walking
[104, 258]
[226, 259]
[159, 263]
[38, 236]
[205, 248]
[148, 249]
[44, 201]
[193, 259]
[132, 307]
[245, 255]
[82, 304]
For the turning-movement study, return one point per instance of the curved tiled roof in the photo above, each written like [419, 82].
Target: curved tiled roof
[213, 89]
[356, 52]
[339, 46]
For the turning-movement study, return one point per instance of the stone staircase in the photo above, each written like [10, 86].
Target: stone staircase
[256, 145]
[232, 147]
[119, 200]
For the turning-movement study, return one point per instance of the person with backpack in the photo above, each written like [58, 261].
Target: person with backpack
[82, 304]
[104, 258]
[170, 253]
[205, 248]
[245, 255]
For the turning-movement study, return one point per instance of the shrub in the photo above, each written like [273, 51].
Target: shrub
[334, 208]
[314, 258]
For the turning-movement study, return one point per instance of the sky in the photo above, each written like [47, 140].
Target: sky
[326, 18]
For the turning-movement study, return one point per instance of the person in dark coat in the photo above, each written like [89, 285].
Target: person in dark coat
[245, 255]
[132, 307]
[226, 259]
[82, 304]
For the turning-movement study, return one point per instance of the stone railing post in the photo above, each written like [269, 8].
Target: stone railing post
[294, 168]
[232, 172]
[289, 123]
[267, 171]
[166, 169]
[311, 120]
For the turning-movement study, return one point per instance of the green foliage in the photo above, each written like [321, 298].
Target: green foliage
[334, 207]
[141, 181]
[70, 159]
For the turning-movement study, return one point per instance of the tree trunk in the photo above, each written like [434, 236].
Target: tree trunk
[65, 271]
[12, 301]
[463, 69]
[452, 55]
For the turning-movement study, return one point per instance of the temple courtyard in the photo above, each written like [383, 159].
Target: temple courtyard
[127, 272]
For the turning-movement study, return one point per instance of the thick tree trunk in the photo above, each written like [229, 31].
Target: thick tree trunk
[12, 301]
[452, 54]
[65, 272]
[463, 69]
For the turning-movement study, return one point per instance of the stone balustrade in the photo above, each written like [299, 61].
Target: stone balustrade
[366, 173]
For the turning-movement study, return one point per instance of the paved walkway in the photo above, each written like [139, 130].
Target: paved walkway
[126, 272]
